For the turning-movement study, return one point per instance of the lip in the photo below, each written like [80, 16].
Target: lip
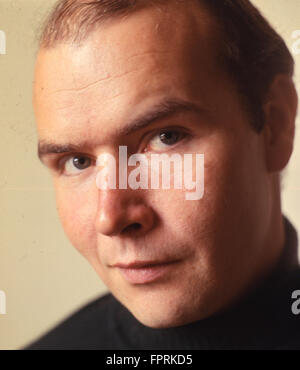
[144, 272]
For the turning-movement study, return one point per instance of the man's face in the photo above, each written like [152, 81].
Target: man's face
[85, 98]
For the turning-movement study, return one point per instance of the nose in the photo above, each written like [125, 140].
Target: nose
[120, 213]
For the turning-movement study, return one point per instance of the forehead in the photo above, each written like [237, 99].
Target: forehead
[124, 65]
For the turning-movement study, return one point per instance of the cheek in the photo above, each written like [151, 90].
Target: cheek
[229, 169]
[194, 222]
[235, 199]
[77, 207]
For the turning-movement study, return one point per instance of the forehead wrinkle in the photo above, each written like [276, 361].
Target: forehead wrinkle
[108, 77]
[93, 84]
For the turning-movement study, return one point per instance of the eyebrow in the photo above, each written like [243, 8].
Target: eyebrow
[45, 148]
[164, 109]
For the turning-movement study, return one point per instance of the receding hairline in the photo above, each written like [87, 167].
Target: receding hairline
[245, 44]
[72, 21]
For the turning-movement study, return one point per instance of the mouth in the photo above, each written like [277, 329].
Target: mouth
[145, 272]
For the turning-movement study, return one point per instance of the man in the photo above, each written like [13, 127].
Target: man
[172, 77]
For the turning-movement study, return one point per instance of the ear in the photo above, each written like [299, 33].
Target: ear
[280, 111]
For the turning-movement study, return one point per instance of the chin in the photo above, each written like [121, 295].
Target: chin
[161, 317]
[163, 322]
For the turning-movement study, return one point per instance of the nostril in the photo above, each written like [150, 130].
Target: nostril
[133, 227]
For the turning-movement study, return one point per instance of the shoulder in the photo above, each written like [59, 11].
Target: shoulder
[91, 327]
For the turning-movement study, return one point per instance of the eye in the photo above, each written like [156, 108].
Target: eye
[76, 164]
[165, 139]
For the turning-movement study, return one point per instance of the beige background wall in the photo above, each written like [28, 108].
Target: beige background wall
[43, 277]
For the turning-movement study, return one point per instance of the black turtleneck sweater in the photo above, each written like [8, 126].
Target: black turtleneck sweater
[263, 320]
